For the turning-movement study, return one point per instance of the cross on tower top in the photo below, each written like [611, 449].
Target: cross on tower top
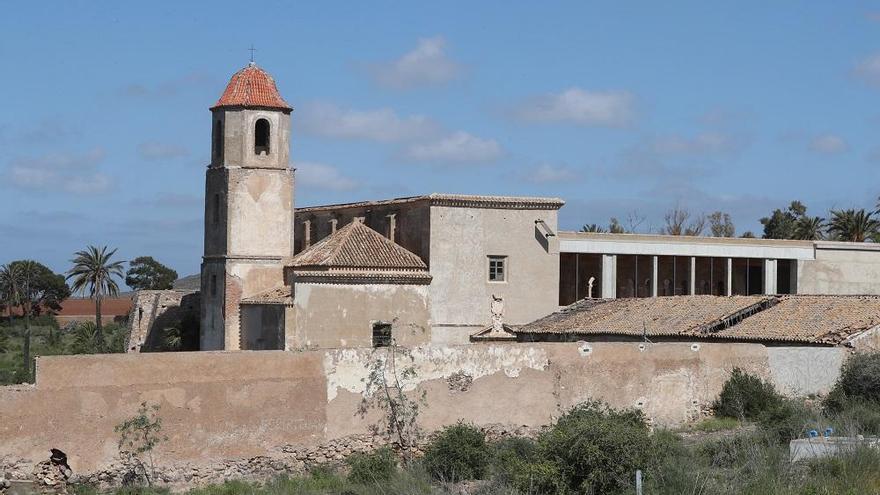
[252, 50]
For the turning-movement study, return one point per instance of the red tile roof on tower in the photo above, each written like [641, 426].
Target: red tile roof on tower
[252, 87]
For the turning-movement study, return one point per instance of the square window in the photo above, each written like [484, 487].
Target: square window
[497, 268]
[381, 334]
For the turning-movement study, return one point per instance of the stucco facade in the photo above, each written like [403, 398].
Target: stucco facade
[235, 405]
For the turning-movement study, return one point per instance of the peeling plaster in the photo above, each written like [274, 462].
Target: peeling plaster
[345, 368]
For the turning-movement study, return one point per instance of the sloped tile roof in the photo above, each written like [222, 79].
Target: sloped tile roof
[278, 295]
[357, 246]
[805, 318]
[252, 87]
[658, 316]
[826, 320]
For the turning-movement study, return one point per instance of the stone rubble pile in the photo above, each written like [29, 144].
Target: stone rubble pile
[51, 477]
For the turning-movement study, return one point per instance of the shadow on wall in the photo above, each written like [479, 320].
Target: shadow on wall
[176, 328]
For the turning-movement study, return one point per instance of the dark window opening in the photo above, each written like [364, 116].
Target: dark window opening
[381, 334]
[218, 141]
[261, 137]
[497, 268]
[785, 271]
[215, 209]
[576, 272]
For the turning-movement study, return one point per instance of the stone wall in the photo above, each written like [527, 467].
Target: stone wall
[154, 310]
[226, 413]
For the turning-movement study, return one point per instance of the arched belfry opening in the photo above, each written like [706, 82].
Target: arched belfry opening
[261, 137]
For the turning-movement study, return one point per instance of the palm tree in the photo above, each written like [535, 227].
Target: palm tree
[809, 228]
[592, 227]
[17, 280]
[10, 278]
[93, 273]
[853, 225]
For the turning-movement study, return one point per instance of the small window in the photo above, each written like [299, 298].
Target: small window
[215, 209]
[218, 141]
[381, 334]
[213, 285]
[497, 268]
[261, 137]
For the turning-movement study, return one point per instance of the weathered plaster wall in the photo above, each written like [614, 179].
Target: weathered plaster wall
[235, 405]
[341, 315]
[411, 222]
[841, 271]
[154, 310]
[461, 241]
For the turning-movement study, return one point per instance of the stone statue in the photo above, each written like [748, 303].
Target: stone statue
[496, 307]
[590, 287]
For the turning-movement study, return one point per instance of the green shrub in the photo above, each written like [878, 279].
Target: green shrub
[458, 452]
[857, 417]
[597, 449]
[374, 467]
[786, 420]
[859, 380]
[745, 396]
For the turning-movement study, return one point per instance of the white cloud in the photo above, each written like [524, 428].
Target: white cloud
[426, 64]
[547, 173]
[458, 147]
[581, 107]
[154, 150]
[383, 124]
[828, 144]
[321, 176]
[68, 172]
[868, 70]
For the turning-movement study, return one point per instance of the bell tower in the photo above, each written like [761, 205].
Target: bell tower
[248, 203]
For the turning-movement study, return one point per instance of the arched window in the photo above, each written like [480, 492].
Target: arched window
[261, 137]
[218, 141]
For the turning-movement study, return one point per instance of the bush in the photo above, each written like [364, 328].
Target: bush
[745, 396]
[859, 380]
[458, 452]
[785, 420]
[597, 449]
[375, 467]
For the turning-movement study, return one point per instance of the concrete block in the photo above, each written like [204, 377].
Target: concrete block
[815, 448]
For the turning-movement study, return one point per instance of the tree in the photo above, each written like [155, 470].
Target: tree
[45, 289]
[145, 273]
[748, 235]
[853, 225]
[809, 228]
[614, 226]
[781, 223]
[592, 227]
[677, 223]
[93, 274]
[721, 225]
[10, 280]
[21, 277]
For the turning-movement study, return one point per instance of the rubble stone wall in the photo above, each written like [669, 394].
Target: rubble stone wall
[237, 414]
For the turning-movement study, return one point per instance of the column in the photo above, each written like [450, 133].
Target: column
[693, 280]
[609, 276]
[654, 276]
[729, 276]
[769, 276]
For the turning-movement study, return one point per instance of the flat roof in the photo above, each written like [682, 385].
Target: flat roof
[454, 200]
[675, 245]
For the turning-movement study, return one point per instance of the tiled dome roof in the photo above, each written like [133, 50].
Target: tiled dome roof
[252, 87]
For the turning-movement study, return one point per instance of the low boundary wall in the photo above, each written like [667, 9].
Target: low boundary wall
[238, 405]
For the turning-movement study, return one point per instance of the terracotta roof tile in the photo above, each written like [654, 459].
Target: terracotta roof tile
[829, 320]
[357, 246]
[252, 87]
[658, 316]
[805, 318]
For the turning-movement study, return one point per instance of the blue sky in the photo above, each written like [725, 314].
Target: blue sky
[615, 107]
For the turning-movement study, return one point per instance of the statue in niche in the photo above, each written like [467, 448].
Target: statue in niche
[496, 308]
[590, 287]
